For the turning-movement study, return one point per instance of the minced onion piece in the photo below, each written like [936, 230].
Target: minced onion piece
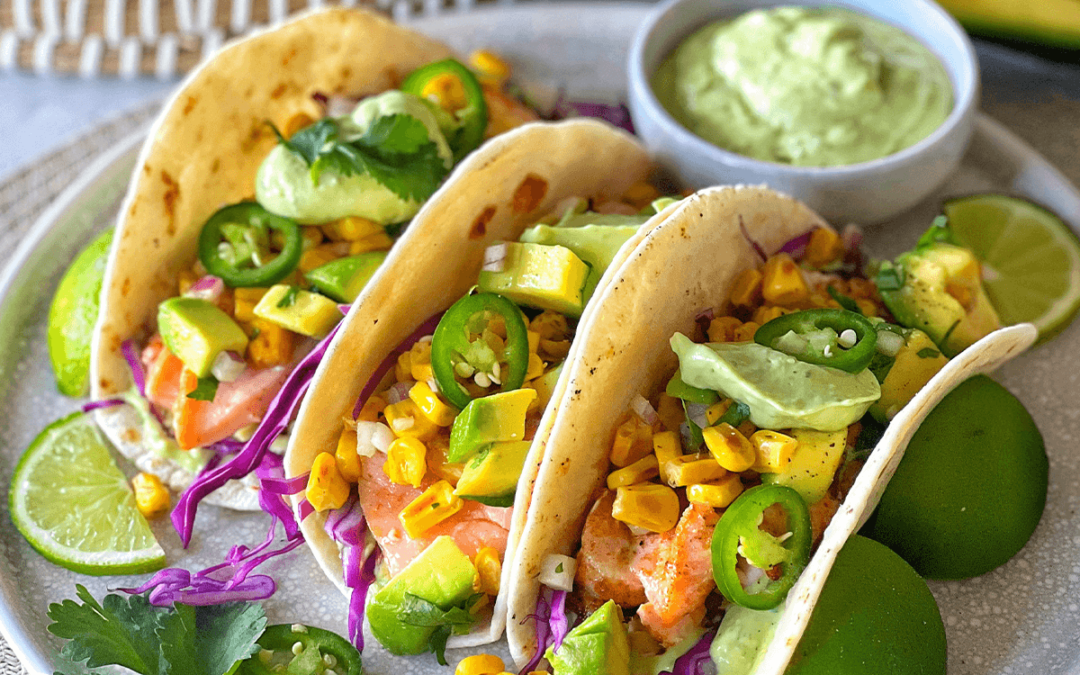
[207, 288]
[643, 409]
[495, 258]
[228, 366]
[398, 392]
[372, 437]
[851, 237]
[557, 571]
[696, 413]
[889, 343]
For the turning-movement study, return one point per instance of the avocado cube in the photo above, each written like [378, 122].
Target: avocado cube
[813, 464]
[916, 362]
[441, 574]
[491, 476]
[300, 311]
[545, 277]
[597, 646]
[197, 330]
[491, 419]
[344, 278]
[545, 385]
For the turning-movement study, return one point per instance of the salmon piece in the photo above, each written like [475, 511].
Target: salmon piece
[605, 561]
[163, 371]
[236, 405]
[472, 528]
[821, 514]
[505, 112]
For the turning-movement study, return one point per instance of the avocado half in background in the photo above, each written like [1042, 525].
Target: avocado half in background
[875, 616]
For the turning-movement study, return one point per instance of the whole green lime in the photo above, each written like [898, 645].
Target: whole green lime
[971, 487]
[875, 617]
[72, 316]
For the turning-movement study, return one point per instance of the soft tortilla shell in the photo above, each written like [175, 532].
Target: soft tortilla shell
[492, 196]
[203, 152]
[682, 267]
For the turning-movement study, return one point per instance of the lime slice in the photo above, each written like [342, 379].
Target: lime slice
[1031, 259]
[72, 315]
[72, 503]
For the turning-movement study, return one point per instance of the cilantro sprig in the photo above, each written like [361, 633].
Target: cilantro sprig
[416, 611]
[395, 150]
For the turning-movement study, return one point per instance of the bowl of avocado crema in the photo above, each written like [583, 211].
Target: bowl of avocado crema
[861, 109]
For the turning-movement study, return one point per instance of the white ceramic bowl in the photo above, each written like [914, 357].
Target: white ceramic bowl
[866, 193]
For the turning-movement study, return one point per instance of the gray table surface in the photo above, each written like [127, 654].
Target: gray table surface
[57, 119]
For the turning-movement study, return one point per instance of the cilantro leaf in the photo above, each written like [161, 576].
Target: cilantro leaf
[205, 390]
[939, 231]
[121, 633]
[696, 437]
[310, 141]
[177, 638]
[844, 301]
[396, 134]
[289, 299]
[889, 278]
[928, 353]
[880, 366]
[736, 414]
[416, 611]
[227, 633]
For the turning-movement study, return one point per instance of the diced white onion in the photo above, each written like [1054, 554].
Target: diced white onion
[495, 258]
[207, 288]
[847, 339]
[889, 343]
[643, 409]
[558, 572]
[339, 106]
[228, 366]
[403, 423]
[399, 392]
[372, 437]
[851, 237]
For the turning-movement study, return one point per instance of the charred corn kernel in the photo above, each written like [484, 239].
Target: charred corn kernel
[437, 449]
[407, 421]
[641, 194]
[765, 314]
[316, 256]
[406, 461]
[782, 282]
[747, 428]
[534, 341]
[722, 328]
[729, 447]
[717, 494]
[746, 291]
[310, 237]
[745, 332]
[555, 350]
[420, 362]
[649, 506]
[667, 448]
[536, 367]
[670, 411]
[326, 488]
[436, 504]
[296, 123]
[488, 569]
[489, 66]
[271, 346]
[773, 451]
[351, 228]
[431, 405]
[689, 469]
[717, 410]
[151, 497]
[550, 325]
[371, 410]
[403, 369]
[633, 440]
[244, 301]
[185, 280]
[823, 247]
[480, 664]
[446, 91]
[379, 241]
[348, 462]
[645, 469]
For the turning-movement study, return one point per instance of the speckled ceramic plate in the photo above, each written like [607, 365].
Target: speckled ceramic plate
[1021, 618]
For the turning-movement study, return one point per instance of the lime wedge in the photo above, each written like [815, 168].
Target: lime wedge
[1031, 259]
[74, 506]
[72, 315]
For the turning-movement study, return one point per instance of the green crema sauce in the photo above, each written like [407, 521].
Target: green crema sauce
[808, 87]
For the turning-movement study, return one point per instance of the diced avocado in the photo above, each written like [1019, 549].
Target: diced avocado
[441, 574]
[742, 638]
[300, 311]
[594, 237]
[813, 464]
[597, 646]
[491, 419]
[545, 385]
[491, 476]
[940, 292]
[197, 330]
[916, 362]
[343, 279]
[545, 277]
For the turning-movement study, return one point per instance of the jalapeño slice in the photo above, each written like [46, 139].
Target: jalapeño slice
[812, 323]
[235, 245]
[319, 651]
[436, 79]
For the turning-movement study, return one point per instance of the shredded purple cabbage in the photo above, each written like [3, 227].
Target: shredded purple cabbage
[107, 403]
[618, 115]
[131, 355]
[696, 660]
[746, 234]
[358, 598]
[426, 328]
[347, 527]
[249, 457]
[344, 309]
[551, 624]
[796, 247]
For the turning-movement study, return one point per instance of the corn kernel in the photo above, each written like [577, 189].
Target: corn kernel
[747, 428]
[765, 314]
[296, 123]
[480, 664]
[730, 448]
[406, 461]
[371, 409]
[782, 281]
[670, 411]
[345, 456]
[244, 301]
[326, 488]
[380, 241]
[823, 248]
[722, 328]
[746, 291]
[316, 256]
[745, 332]
[437, 450]
[534, 341]
[667, 448]
[446, 91]
[489, 67]
[689, 469]
[554, 350]
[488, 570]
[310, 237]
[430, 404]
[773, 451]
[420, 362]
[403, 368]
[633, 440]
[649, 506]
[151, 497]
[643, 470]
[185, 280]
[536, 367]
[406, 421]
[716, 411]
[351, 228]
[717, 494]
[436, 504]
[272, 346]
[550, 325]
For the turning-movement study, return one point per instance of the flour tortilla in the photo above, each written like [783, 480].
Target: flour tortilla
[203, 153]
[685, 265]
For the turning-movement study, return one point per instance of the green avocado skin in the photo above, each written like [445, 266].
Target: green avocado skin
[876, 616]
[971, 488]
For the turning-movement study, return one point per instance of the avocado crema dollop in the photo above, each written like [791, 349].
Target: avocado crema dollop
[808, 87]
[284, 185]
